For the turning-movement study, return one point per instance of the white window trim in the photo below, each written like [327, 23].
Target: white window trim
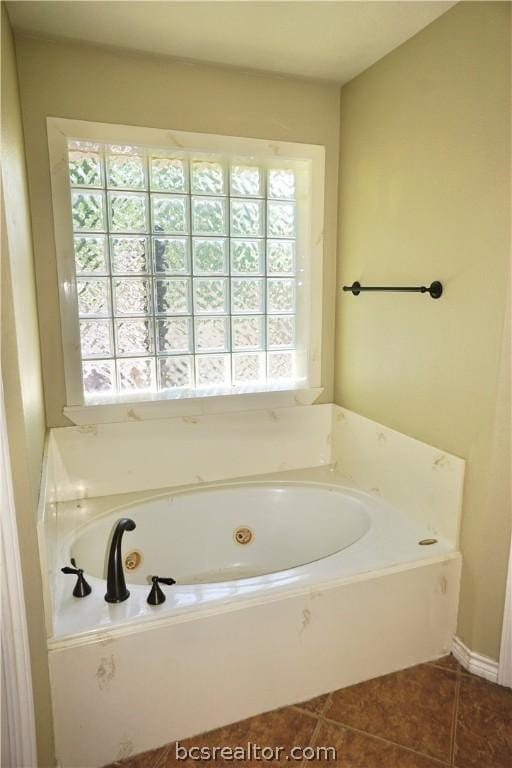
[158, 406]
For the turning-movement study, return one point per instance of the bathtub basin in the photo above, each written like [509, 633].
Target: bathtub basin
[303, 535]
[227, 533]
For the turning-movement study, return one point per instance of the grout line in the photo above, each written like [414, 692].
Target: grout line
[326, 705]
[319, 720]
[298, 708]
[385, 740]
[460, 670]
[161, 758]
[445, 669]
[455, 717]
[319, 724]
[313, 738]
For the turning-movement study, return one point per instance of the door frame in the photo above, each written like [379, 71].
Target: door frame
[18, 742]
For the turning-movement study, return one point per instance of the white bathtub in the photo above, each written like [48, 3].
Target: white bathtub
[304, 534]
[228, 533]
[333, 588]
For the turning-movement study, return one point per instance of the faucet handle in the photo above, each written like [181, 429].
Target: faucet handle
[156, 595]
[82, 588]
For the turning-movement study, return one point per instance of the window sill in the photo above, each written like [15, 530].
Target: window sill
[143, 410]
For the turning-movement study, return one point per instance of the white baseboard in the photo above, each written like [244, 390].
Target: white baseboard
[475, 663]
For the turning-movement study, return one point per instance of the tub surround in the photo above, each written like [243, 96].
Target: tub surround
[421, 481]
[261, 656]
[376, 607]
[106, 459]
[108, 462]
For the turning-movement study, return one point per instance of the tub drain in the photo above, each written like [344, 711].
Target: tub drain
[427, 542]
[242, 535]
[133, 560]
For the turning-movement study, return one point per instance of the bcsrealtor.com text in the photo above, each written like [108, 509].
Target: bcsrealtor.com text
[252, 751]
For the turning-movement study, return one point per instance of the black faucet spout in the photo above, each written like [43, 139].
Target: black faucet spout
[116, 584]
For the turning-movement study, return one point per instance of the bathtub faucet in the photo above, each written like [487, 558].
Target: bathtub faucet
[116, 584]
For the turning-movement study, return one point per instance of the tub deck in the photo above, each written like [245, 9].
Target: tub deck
[391, 544]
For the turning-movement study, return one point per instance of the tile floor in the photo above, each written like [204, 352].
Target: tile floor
[430, 715]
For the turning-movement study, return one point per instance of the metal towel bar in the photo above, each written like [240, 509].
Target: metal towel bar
[435, 289]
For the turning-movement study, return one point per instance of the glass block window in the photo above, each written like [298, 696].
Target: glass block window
[185, 270]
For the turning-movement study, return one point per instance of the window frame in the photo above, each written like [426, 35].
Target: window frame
[310, 237]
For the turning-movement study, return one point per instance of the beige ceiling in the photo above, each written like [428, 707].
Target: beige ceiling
[328, 40]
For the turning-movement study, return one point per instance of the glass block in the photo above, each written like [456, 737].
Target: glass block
[280, 295]
[169, 214]
[83, 146]
[281, 183]
[134, 337]
[211, 334]
[88, 211]
[126, 170]
[96, 338]
[90, 254]
[210, 256]
[246, 181]
[98, 377]
[247, 218]
[123, 149]
[93, 297]
[247, 257]
[247, 295]
[281, 365]
[210, 296]
[247, 332]
[175, 372]
[132, 296]
[281, 219]
[85, 168]
[280, 257]
[173, 296]
[130, 255]
[208, 177]
[280, 331]
[174, 334]
[213, 370]
[168, 174]
[249, 368]
[128, 212]
[171, 255]
[136, 374]
[209, 216]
